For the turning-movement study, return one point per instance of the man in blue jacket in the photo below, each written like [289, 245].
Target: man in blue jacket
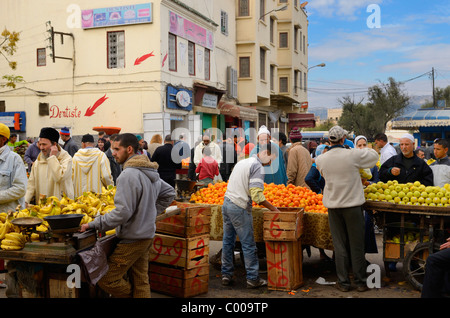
[141, 195]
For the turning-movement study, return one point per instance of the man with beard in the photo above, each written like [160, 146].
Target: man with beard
[141, 195]
[406, 166]
[51, 173]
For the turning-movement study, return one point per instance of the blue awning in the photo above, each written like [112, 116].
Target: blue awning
[413, 120]
[425, 114]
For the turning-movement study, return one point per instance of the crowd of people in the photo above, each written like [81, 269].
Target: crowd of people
[334, 167]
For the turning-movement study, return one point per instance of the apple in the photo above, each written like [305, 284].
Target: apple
[416, 183]
[428, 200]
[394, 193]
[444, 200]
[401, 194]
[436, 200]
[421, 200]
[431, 195]
[413, 199]
[405, 199]
[397, 199]
[424, 194]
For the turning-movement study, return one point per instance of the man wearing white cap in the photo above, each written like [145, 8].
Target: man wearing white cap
[276, 171]
[406, 166]
[343, 195]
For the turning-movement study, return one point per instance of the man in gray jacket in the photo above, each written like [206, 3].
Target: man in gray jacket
[344, 196]
[140, 196]
[69, 144]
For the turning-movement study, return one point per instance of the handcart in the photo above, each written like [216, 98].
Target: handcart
[410, 234]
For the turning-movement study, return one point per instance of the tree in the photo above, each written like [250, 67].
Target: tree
[440, 94]
[385, 102]
[8, 46]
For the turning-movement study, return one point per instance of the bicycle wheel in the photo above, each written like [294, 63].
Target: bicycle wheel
[414, 265]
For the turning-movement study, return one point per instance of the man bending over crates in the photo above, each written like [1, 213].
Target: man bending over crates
[246, 184]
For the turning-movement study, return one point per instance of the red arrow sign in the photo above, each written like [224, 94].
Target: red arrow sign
[90, 110]
[143, 58]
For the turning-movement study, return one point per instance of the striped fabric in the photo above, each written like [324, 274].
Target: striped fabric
[90, 171]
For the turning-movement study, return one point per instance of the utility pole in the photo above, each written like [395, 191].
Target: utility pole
[434, 95]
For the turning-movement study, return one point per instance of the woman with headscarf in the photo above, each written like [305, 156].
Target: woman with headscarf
[370, 241]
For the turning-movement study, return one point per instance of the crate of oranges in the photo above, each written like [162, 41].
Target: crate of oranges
[279, 195]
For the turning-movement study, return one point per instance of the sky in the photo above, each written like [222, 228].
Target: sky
[364, 42]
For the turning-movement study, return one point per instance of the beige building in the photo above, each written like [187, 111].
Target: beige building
[163, 66]
[333, 114]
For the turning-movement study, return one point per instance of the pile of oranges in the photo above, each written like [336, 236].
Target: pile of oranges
[278, 195]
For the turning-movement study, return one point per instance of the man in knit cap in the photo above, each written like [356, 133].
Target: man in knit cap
[406, 166]
[69, 144]
[91, 168]
[51, 174]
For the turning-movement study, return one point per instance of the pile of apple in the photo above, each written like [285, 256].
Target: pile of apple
[408, 193]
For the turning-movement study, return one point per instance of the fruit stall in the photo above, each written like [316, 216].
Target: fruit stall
[414, 219]
[41, 241]
[316, 230]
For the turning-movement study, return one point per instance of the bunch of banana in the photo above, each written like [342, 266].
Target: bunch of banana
[86, 219]
[6, 228]
[13, 241]
[3, 217]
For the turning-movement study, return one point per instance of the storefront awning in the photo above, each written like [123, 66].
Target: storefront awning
[302, 120]
[241, 112]
[422, 118]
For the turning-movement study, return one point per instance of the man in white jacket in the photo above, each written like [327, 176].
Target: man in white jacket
[51, 174]
[344, 196]
[91, 168]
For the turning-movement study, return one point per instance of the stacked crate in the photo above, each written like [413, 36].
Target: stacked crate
[179, 256]
[282, 232]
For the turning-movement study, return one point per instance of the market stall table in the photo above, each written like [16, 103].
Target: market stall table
[407, 228]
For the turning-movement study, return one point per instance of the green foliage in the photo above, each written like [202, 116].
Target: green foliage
[8, 46]
[385, 102]
[439, 94]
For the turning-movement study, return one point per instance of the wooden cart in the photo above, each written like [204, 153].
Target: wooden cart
[410, 234]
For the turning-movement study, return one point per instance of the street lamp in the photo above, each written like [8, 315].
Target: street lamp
[282, 8]
[318, 65]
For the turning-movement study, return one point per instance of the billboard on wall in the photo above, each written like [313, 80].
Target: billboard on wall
[113, 16]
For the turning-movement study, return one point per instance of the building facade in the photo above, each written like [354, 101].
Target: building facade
[164, 66]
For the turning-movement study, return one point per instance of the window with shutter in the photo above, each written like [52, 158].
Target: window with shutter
[207, 64]
[231, 82]
[172, 52]
[262, 62]
[116, 49]
[244, 8]
[284, 85]
[191, 58]
[283, 40]
[41, 57]
[244, 66]
[224, 22]
[295, 81]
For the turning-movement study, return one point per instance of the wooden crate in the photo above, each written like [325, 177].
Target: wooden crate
[193, 220]
[180, 252]
[284, 265]
[57, 287]
[182, 283]
[283, 225]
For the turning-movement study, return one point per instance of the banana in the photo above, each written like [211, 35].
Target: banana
[3, 216]
[18, 237]
[45, 209]
[113, 231]
[11, 247]
[11, 242]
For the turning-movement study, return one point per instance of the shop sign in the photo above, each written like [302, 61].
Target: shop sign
[209, 100]
[14, 120]
[113, 16]
[179, 98]
[190, 31]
